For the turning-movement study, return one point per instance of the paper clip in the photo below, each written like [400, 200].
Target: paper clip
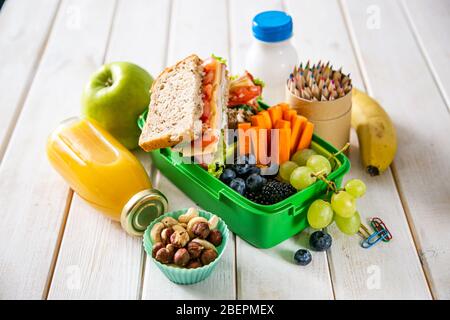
[364, 231]
[374, 238]
[378, 225]
[381, 232]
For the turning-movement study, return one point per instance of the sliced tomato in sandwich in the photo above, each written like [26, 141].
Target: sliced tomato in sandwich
[213, 105]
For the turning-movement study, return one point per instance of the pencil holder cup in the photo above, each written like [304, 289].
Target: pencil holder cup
[331, 119]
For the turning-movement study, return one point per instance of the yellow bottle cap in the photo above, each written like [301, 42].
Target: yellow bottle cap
[141, 210]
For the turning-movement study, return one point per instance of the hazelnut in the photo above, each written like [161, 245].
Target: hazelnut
[179, 238]
[215, 237]
[194, 249]
[164, 256]
[194, 264]
[201, 230]
[171, 248]
[192, 222]
[165, 235]
[208, 256]
[156, 247]
[181, 257]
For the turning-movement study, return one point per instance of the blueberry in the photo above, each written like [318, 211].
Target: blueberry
[242, 170]
[320, 241]
[238, 185]
[302, 257]
[227, 175]
[254, 169]
[255, 182]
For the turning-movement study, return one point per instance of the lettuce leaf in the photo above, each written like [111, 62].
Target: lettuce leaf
[259, 82]
[220, 59]
[215, 169]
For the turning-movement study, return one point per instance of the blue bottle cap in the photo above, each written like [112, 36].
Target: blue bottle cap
[272, 26]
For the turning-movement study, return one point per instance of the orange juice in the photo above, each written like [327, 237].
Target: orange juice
[104, 173]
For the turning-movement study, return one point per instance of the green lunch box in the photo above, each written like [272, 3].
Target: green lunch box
[264, 226]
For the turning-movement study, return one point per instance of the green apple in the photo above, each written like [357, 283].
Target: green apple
[115, 96]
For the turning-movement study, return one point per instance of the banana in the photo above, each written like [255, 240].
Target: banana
[376, 133]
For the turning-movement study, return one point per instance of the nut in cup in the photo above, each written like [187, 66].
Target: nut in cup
[183, 275]
[331, 119]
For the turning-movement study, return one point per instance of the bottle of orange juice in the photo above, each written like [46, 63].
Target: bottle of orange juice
[105, 174]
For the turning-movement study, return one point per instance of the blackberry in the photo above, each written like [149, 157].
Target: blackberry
[256, 197]
[275, 191]
[272, 192]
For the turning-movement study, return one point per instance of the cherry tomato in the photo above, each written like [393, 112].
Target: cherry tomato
[243, 95]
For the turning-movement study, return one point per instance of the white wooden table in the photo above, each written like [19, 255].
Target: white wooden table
[54, 246]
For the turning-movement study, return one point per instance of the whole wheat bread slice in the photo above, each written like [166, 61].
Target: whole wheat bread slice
[176, 105]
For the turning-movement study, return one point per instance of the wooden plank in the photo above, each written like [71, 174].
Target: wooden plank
[430, 22]
[391, 58]
[24, 28]
[97, 260]
[140, 33]
[265, 274]
[32, 195]
[350, 265]
[108, 261]
[271, 273]
[199, 27]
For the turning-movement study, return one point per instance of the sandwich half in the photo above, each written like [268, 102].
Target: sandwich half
[188, 107]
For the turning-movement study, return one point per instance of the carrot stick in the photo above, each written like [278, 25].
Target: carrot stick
[305, 140]
[275, 114]
[284, 106]
[280, 147]
[297, 124]
[266, 117]
[258, 121]
[244, 125]
[243, 139]
[284, 145]
[289, 114]
[263, 146]
[282, 124]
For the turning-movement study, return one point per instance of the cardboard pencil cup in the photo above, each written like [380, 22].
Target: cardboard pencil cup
[332, 119]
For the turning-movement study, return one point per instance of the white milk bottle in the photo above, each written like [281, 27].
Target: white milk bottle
[272, 56]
